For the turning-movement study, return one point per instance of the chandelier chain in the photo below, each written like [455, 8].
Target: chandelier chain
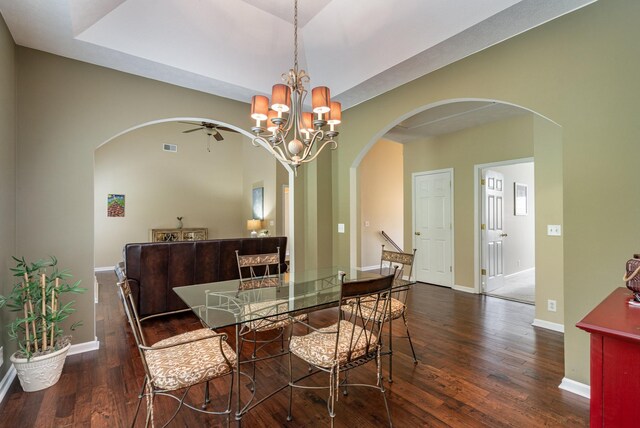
[295, 35]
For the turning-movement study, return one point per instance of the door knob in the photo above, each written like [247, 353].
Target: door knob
[503, 235]
[417, 233]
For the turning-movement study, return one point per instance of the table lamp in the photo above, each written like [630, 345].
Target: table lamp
[253, 226]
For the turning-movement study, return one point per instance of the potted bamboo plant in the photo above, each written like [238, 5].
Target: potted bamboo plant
[42, 344]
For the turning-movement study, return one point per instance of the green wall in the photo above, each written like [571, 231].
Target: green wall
[581, 71]
[67, 109]
[7, 178]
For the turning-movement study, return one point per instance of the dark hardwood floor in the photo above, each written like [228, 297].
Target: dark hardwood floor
[481, 364]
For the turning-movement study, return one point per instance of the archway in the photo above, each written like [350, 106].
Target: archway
[545, 140]
[221, 174]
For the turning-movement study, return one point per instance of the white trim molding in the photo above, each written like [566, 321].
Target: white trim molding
[104, 269]
[80, 348]
[548, 325]
[511, 275]
[6, 382]
[574, 387]
[464, 289]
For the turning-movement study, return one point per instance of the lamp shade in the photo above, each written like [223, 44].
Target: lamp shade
[307, 121]
[254, 224]
[280, 97]
[272, 127]
[335, 115]
[321, 99]
[259, 107]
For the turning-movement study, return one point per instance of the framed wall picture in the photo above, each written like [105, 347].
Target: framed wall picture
[258, 203]
[115, 205]
[520, 199]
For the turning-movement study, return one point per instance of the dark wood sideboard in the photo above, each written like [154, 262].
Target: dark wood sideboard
[615, 361]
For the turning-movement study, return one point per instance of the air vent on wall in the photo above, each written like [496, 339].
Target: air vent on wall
[170, 148]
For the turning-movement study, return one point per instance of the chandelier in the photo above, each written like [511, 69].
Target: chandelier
[291, 134]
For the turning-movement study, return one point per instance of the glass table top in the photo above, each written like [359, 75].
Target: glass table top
[221, 304]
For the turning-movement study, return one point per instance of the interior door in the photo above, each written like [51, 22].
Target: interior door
[433, 228]
[492, 230]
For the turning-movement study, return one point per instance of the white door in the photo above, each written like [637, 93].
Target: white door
[433, 228]
[492, 230]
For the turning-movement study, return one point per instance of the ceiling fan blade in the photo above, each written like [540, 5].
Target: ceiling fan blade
[191, 123]
[224, 128]
[192, 130]
[218, 136]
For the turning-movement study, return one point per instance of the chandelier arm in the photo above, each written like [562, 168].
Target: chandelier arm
[275, 151]
[316, 137]
[315, 155]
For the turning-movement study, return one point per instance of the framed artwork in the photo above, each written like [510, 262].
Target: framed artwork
[258, 203]
[115, 205]
[520, 201]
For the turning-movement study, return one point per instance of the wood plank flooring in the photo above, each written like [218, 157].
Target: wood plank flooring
[482, 364]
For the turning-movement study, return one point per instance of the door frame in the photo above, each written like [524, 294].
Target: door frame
[477, 215]
[453, 223]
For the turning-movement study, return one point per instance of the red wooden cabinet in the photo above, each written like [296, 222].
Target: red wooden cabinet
[615, 361]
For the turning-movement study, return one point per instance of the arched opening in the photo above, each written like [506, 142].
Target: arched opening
[164, 173]
[461, 135]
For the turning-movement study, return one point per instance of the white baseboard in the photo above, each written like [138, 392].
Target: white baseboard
[463, 288]
[103, 269]
[519, 272]
[548, 325]
[578, 388]
[6, 381]
[80, 348]
[366, 268]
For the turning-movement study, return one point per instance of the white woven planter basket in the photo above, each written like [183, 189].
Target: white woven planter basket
[40, 372]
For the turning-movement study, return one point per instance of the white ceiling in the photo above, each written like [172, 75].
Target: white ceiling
[237, 48]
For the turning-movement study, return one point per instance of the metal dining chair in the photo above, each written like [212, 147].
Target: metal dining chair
[347, 344]
[260, 274]
[179, 363]
[402, 264]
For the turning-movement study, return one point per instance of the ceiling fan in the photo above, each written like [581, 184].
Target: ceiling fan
[211, 129]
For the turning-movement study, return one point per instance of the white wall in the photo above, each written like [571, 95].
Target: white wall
[206, 188]
[381, 200]
[520, 243]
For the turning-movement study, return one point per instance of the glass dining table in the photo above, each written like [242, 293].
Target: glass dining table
[221, 304]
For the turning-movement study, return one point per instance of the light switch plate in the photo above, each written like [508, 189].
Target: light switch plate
[554, 230]
[340, 227]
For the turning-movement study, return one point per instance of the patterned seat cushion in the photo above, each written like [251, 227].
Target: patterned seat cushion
[397, 308]
[190, 363]
[318, 348]
[270, 315]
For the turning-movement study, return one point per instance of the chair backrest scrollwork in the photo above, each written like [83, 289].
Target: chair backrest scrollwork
[258, 270]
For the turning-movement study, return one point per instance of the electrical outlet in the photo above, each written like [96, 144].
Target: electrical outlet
[554, 230]
[366, 223]
[340, 227]
[518, 263]
[551, 305]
